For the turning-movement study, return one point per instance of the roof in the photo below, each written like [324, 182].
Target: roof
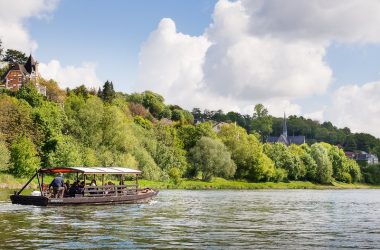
[86, 170]
[30, 65]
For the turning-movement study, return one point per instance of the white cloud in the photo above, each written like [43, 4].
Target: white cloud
[326, 20]
[15, 35]
[70, 76]
[13, 15]
[357, 107]
[316, 115]
[228, 67]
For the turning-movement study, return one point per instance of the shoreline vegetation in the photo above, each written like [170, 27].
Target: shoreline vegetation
[9, 182]
[171, 145]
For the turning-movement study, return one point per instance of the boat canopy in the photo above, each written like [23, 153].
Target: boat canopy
[87, 170]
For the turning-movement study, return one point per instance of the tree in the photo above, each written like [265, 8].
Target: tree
[324, 167]
[15, 56]
[212, 158]
[4, 156]
[108, 93]
[67, 153]
[247, 153]
[23, 158]
[262, 122]
[30, 94]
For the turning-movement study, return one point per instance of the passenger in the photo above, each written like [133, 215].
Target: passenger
[67, 187]
[58, 186]
[80, 189]
[93, 183]
[73, 189]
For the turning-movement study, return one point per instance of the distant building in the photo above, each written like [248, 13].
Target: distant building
[18, 74]
[284, 138]
[369, 158]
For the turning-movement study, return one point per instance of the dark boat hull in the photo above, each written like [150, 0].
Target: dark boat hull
[44, 201]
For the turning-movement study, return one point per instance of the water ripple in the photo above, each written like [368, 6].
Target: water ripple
[293, 219]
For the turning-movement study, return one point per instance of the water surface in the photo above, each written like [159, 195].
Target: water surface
[291, 219]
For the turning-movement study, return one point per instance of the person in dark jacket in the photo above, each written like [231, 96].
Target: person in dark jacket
[58, 186]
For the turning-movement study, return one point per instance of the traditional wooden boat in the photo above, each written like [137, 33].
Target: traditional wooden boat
[104, 194]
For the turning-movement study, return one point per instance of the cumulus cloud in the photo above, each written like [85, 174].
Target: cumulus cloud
[263, 51]
[13, 15]
[326, 20]
[70, 76]
[229, 66]
[357, 107]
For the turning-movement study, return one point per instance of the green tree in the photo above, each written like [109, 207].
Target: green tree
[324, 167]
[67, 153]
[108, 93]
[4, 156]
[262, 122]
[30, 94]
[14, 56]
[247, 153]
[23, 157]
[212, 158]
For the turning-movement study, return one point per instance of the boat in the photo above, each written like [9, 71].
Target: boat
[107, 193]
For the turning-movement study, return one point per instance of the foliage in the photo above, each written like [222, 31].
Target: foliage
[14, 56]
[4, 156]
[108, 93]
[30, 94]
[261, 122]
[324, 167]
[23, 157]
[212, 158]
[247, 153]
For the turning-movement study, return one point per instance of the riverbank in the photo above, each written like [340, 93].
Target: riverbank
[10, 182]
[219, 183]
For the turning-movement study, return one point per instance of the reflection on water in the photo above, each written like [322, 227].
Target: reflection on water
[203, 219]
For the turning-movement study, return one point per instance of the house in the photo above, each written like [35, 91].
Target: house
[18, 74]
[369, 158]
[285, 139]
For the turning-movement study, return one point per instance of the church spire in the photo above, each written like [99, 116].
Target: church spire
[284, 128]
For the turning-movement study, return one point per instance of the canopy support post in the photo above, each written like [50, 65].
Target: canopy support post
[22, 189]
[137, 182]
[39, 183]
[102, 179]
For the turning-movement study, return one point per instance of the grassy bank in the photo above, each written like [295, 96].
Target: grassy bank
[219, 183]
[9, 182]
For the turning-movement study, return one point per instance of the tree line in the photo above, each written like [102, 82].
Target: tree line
[82, 127]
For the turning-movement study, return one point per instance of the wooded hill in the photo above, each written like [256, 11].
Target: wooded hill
[82, 127]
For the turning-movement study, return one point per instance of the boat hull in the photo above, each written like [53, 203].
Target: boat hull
[102, 200]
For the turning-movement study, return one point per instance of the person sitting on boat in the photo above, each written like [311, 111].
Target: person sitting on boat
[58, 186]
[67, 187]
[93, 183]
[74, 189]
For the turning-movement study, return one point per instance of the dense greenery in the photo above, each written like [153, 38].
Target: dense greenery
[263, 123]
[82, 127]
[88, 127]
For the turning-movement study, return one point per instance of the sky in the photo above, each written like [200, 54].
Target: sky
[317, 58]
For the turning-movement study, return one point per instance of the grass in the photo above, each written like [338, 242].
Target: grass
[220, 183]
[10, 182]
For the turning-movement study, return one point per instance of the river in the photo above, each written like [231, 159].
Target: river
[285, 219]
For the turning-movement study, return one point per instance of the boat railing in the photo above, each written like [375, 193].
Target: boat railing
[110, 190]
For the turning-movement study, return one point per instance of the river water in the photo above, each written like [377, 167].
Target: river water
[281, 219]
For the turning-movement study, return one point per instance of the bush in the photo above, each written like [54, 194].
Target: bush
[212, 158]
[24, 160]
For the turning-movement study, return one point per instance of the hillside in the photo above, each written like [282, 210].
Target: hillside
[91, 128]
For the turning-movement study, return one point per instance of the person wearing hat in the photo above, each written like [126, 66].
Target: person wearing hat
[58, 186]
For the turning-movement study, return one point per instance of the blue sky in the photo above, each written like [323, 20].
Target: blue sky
[111, 33]
[316, 58]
